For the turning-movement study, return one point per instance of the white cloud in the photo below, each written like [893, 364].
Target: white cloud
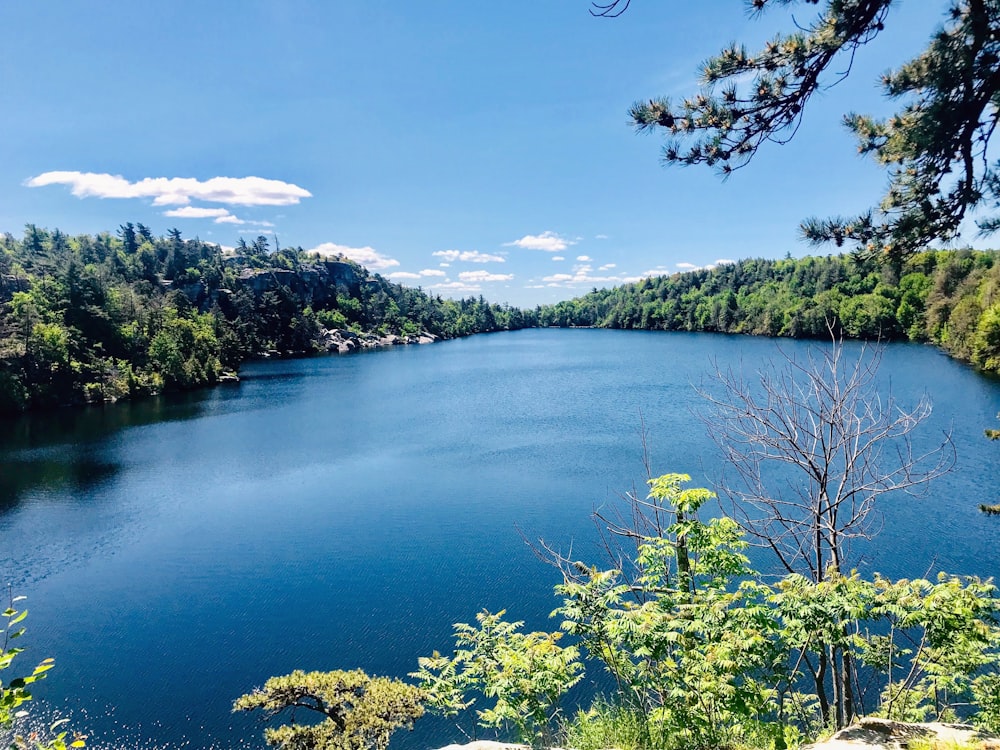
[221, 216]
[469, 256]
[177, 191]
[422, 274]
[455, 286]
[192, 212]
[608, 266]
[445, 265]
[706, 267]
[481, 276]
[584, 258]
[658, 271]
[558, 257]
[366, 256]
[580, 275]
[600, 236]
[549, 242]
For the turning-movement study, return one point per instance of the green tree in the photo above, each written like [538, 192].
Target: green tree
[936, 147]
[358, 712]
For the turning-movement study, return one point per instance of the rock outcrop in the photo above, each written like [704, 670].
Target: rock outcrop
[883, 734]
[344, 341]
[315, 283]
[867, 734]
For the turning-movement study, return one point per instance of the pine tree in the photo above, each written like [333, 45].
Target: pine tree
[935, 147]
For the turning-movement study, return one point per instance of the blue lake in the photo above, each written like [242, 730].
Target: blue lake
[343, 512]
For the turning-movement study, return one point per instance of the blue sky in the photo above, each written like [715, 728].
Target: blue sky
[465, 147]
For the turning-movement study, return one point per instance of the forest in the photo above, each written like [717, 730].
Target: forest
[97, 318]
[950, 298]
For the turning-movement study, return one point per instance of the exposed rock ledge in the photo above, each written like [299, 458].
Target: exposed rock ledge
[882, 734]
[867, 734]
[344, 341]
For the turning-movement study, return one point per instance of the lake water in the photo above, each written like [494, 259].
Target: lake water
[343, 512]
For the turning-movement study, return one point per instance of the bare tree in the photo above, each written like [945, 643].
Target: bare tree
[810, 446]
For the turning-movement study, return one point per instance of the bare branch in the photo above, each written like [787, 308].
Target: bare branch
[810, 449]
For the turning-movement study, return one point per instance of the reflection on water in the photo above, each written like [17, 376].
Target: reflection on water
[341, 512]
[72, 474]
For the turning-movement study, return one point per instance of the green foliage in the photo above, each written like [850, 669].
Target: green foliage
[358, 712]
[97, 318]
[521, 675]
[694, 654]
[606, 724]
[947, 297]
[16, 691]
[705, 653]
[935, 146]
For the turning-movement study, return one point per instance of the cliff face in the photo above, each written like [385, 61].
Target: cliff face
[315, 284]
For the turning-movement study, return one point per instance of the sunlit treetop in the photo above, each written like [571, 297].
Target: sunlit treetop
[936, 147]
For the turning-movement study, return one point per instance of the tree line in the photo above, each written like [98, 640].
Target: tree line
[950, 298]
[95, 318]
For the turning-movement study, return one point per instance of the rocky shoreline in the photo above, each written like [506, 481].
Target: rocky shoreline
[344, 341]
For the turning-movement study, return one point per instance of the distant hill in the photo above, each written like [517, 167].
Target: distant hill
[947, 297]
[89, 319]
[96, 318]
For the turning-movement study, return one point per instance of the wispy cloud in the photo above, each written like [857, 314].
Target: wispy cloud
[469, 256]
[608, 266]
[707, 266]
[220, 215]
[549, 242]
[192, 212]
[558, 257]
[581, 275]
[584, 258]
[600, 236]
[455, 286]
[409, 275]
[177, 191]
[658, 271]
[367, 256]
[476, 277]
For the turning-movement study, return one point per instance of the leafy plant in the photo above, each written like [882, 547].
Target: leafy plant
[359, 712]
[694, 653]
[522, 674]
[16, 692]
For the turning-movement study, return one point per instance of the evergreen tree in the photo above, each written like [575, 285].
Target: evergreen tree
[935, 147]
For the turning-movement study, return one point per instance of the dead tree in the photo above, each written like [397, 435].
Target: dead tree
[810, 447]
